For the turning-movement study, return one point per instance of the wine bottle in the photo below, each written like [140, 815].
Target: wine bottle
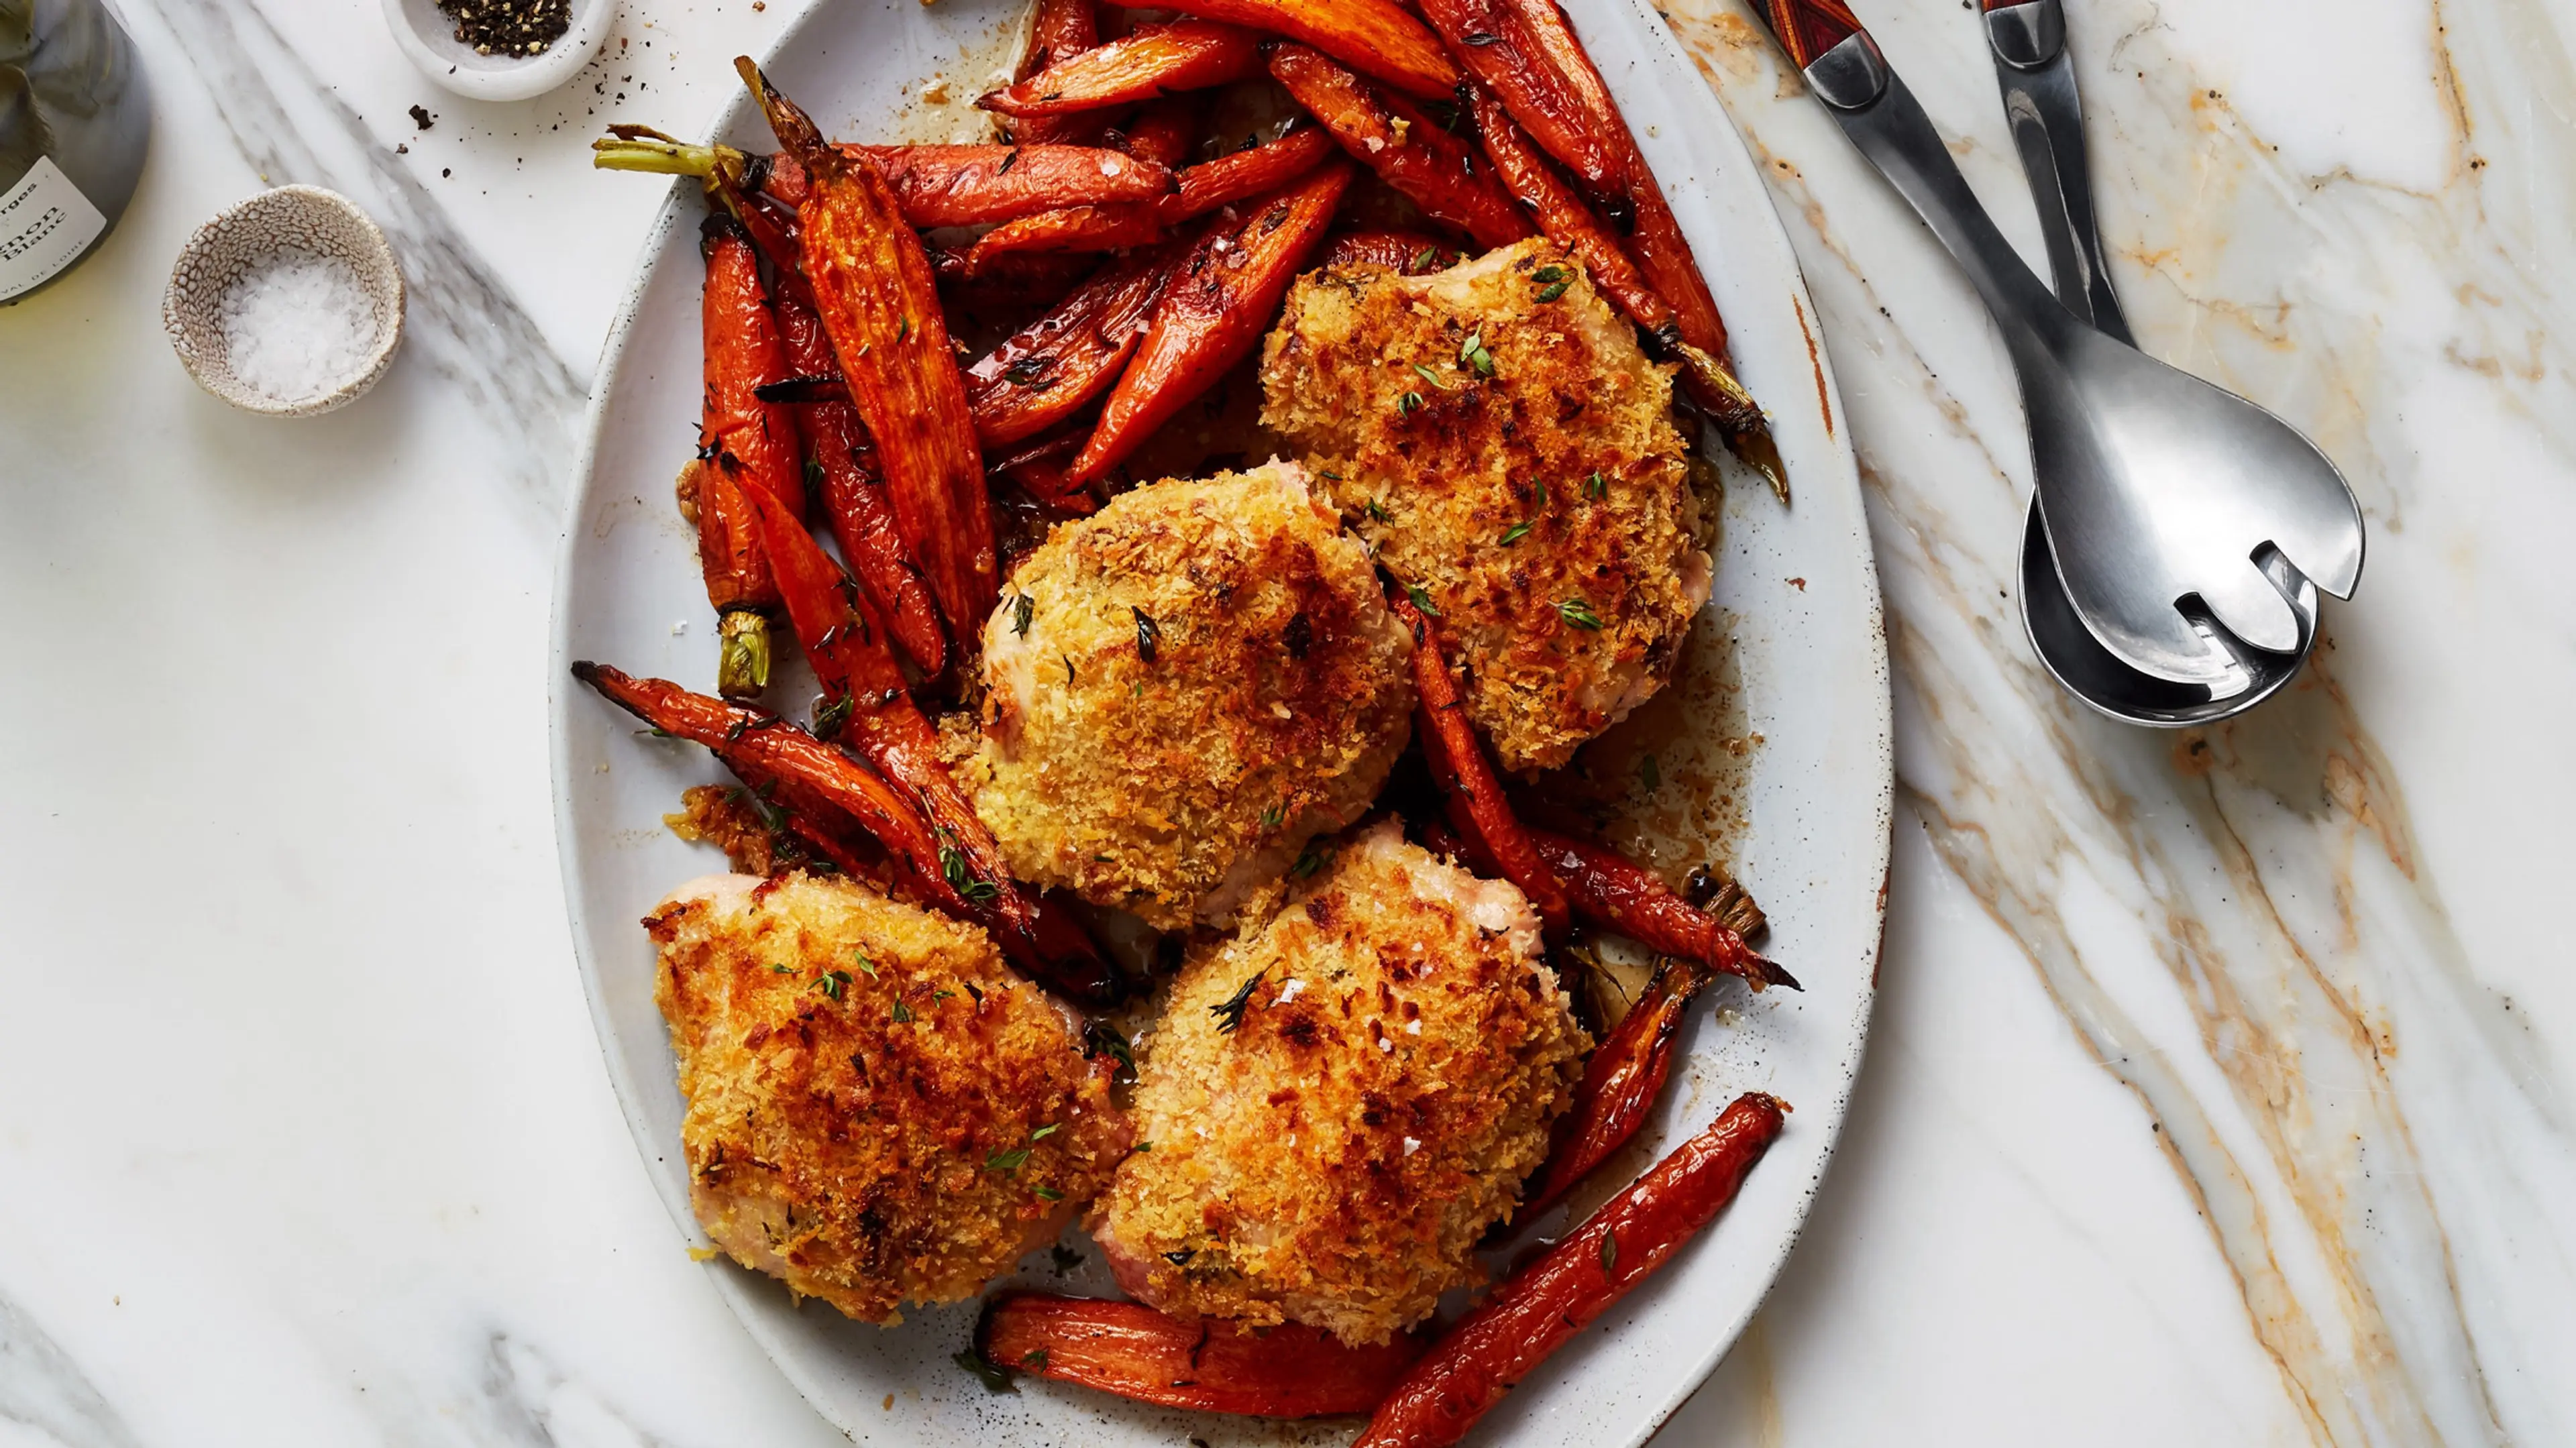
[75, 120]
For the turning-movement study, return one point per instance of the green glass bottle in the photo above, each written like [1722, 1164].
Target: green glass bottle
[75, 120]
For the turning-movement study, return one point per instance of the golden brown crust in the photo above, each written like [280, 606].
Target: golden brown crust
[1276, 696]
[861, 1155]
[1335, 1157]
[1436, 472]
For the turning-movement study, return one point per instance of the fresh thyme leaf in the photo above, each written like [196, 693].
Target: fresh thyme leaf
[1548, 274]
[1596, 486]
[1028, 369]
[1472, 353]
[1043, 1132]
[1229, 1012]
[1044, 1194]
[1409, 404]
[1144, 1146]
[980, 890]
[1421, 600]
[1515, 533]
[1422, 258]
[1309, 860]
[902, 1013]
[1554, 290]
[1541, 485]
[1427, 375]
[1609, 1251]
[833, 717]
[1035, 1359]
[1377, 511]
[833, 983]
[782, 969]
[1011, 1160]
[1578, 613]
[995, 1378]
[1149, 634]
[904, 331]
[1023, 608]
[952, 866]
[1010, 158]
[1328, 473]
[864, 963]
[1100, 1038]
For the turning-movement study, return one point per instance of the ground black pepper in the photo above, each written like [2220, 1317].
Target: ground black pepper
[508, 27]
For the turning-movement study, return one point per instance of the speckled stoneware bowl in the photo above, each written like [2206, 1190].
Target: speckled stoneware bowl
[289, 219]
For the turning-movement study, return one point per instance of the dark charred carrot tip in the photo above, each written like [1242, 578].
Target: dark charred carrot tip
[1773, 974]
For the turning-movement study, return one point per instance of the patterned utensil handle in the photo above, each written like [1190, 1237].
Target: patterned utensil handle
[1808, 28]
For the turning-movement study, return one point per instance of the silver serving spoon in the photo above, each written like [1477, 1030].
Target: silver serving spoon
[2161, 493]
[2037, 78]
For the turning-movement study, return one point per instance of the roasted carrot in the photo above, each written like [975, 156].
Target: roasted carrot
[1056, 365]
[1058, 31]
[1376, 37]
[1163, 131]
[1540, 1307]
[1546, 43]
[970, 185]
[836, 445]
[745, 445]
[1409, 252]
[1221, 299]
[1439, 172]
[1473, 795]
[873, 288]
[1189, 55]
[1557, 106]
[1039, 467]
[775, 757]
[1619, 894]
[1562, 216]
[1073, 228]
[864, 701]
[1234, 176]
[829, 795]
[1622, 1080]
[1211, 1366]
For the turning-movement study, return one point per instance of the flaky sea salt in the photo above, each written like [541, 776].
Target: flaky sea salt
[297, 327]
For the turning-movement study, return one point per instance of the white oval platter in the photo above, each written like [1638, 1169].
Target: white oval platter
[1806, 721]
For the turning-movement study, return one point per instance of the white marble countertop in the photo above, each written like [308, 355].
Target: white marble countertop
[2221, 1089]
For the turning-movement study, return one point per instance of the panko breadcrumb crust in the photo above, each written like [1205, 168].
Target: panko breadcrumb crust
[1335, 1156]
[1497, 436]
[879, 1112]
[1184, 688]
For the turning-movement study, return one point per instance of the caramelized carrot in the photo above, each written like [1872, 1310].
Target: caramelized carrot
[1409, 252]
[835, 445]
[970, 185]
[1074, 228]
[1163, 131]
[873, 288]
[1473, 795]
[774, 756]
[1190, 55]
[1221, 299]
[1622, 1080]
[1211, 1366]
[745, 445]
[1562, 216]
[831, 796]
[1437, 171]
[1235, 176]
[1376, 37]
[1039, 467]
[1539, 1308]
[1619, 894]
[1059, 31]
[1057, 364]
[1494, 46]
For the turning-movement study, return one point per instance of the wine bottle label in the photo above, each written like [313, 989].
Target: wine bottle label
[45, 224]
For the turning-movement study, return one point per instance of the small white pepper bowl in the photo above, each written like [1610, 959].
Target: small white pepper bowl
[288, 220]
[428, 37]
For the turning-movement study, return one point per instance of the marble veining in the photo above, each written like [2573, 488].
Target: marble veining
[43, 1391]
[2234, 920]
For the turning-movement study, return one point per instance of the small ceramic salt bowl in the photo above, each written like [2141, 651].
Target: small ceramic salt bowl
[428, 36]
[288, 304]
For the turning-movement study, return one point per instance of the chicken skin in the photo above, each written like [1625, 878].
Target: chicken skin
[1339, 1101]
[1182, 690]
[1497, 436]
[879, 1112]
